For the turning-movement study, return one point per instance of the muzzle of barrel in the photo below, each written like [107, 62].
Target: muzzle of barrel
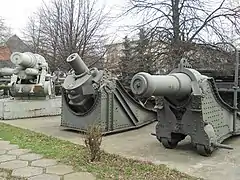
[77, 64]
[26, 59]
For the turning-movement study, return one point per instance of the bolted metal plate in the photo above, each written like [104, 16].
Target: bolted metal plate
[214, 114]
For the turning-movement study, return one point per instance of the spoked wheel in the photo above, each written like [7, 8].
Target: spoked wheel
[169, 144]
[202, 150]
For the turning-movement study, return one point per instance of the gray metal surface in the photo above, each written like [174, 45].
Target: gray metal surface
[93, 97]
[201, 114]
[11, 109]
[30, 79]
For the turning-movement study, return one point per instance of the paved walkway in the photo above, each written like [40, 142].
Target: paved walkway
[27, 165]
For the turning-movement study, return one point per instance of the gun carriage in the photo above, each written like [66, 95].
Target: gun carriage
[92, 96]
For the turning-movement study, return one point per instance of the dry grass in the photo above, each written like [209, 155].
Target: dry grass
[93, 141]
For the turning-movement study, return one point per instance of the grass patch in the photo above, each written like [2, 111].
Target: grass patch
[109, 167]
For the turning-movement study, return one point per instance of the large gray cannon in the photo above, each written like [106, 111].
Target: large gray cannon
[192, 106]
[30, 77]
[94, 97]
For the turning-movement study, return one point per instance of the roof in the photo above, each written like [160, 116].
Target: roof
[15, 44]
[5, 53]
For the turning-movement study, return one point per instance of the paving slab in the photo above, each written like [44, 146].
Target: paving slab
[4, 142]
[44, 162]
[2, 151]
[46, 177]
[79, 175]
[59, 169]
[30, 157]
[5, 157]
[18, 152]
[15, 164]
[27, 172]
[139, 144]
[6, 146]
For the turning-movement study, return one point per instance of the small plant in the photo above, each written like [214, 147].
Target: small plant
[93, 140]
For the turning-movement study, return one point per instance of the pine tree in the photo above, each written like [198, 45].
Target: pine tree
[127, 62]
[143, 52]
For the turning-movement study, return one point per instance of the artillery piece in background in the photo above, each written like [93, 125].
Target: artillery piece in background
[225, 84]
[58, 80]
[30, 88]
[192, 106]
[5, 79]
[92, 96]
[30, 79]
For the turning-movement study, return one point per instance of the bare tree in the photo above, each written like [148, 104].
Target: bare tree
[68, 26]
[182, 24]
[5, 31]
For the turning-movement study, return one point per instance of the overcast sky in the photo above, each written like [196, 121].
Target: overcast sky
[16, 12]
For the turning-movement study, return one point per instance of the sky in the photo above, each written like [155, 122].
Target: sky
[16, 13]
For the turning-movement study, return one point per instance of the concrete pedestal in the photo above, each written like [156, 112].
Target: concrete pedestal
[19, 109]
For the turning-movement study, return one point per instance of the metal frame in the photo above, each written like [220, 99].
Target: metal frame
[235, 86]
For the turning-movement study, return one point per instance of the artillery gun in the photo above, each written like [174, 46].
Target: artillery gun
[5, 78]
[30, 79]
[92, 96]
[30, 88]
[191, 106]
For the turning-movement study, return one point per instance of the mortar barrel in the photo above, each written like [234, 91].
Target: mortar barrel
[26, 59]
[77, 64]
[6, 71]
[146, 85]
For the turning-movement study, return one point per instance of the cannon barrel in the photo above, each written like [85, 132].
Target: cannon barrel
[77, 64]
[6, 71]
[31, 71]
[175, 84]
[24, 59]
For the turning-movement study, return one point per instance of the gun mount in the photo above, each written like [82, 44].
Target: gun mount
[5, 79]
[92, 96]
[191, 106]
[30, 79]
[58, 80]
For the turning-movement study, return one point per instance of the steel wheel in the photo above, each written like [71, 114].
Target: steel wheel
[169, 144]
[202, 150]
